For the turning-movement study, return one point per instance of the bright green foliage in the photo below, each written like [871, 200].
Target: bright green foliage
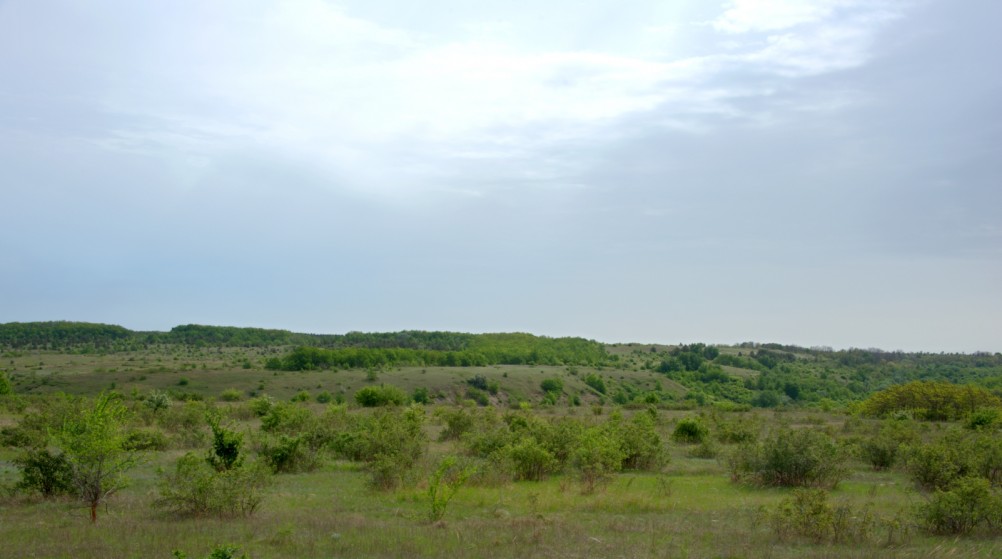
[443, 484]
[935, 401]
[93, 444]
[383, 395]
[597, 455]
[44, 471]
[195, 488]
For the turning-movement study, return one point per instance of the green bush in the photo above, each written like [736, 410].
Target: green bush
[690, 431]
[529, 460]
[44, 472]
[231, 395]
[195, 488]
[552, 386]
[443, 484]
[596, 456]
[967, 504]
[383, 395]
[6, 386]
[792, 458]
[807, 514]
[935, 465]
[145, 439]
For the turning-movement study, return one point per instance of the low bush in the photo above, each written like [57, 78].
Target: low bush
[383, 395]
[808, 514]
[196, 488]
[792, 458]
[45, 472]
[689, 431]
[968, 503]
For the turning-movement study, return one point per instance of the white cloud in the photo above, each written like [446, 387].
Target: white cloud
[744, 16]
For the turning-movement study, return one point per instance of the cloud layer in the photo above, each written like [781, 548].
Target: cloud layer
[806, 172]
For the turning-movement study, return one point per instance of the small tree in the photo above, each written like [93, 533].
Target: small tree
[6, 387]
[93, 446]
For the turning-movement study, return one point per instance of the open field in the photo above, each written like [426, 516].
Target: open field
[330, 497]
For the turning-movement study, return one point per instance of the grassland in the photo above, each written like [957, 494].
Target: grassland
[690, 508]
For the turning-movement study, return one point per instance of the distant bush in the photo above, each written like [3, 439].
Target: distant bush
[145, 439]
[552, 386]
[383, 395]
[690, 431]
[231, 395]
[421, 395]
[595, 382]
[934, 401]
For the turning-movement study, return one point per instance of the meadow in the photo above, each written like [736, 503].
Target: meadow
[454, 477]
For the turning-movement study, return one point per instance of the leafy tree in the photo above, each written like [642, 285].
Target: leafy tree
[93, 444]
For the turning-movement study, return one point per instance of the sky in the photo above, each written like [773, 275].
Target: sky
[818, 173]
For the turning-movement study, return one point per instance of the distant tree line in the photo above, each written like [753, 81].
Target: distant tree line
[477, 350]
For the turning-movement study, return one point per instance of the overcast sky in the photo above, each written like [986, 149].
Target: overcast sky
[824, 172]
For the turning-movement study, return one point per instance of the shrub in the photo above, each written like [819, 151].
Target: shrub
[880, 452]
[6, 387]
[262, 405]
[596, 456]
[968, 503]
[383, 395]
[808, 514]
[689, 430]
[790, 457]
[552, 386]
[231, 395]
[157, 400]
[529, 460]
[195, 488]
[421, 395]
[935, 465]
[219, 552]
[443, 484]
[226, 445]
[287, 454]
[324, 397]
[639, 440]
[46, 472]
[983, 419]
[145, 439]
[595, 382]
